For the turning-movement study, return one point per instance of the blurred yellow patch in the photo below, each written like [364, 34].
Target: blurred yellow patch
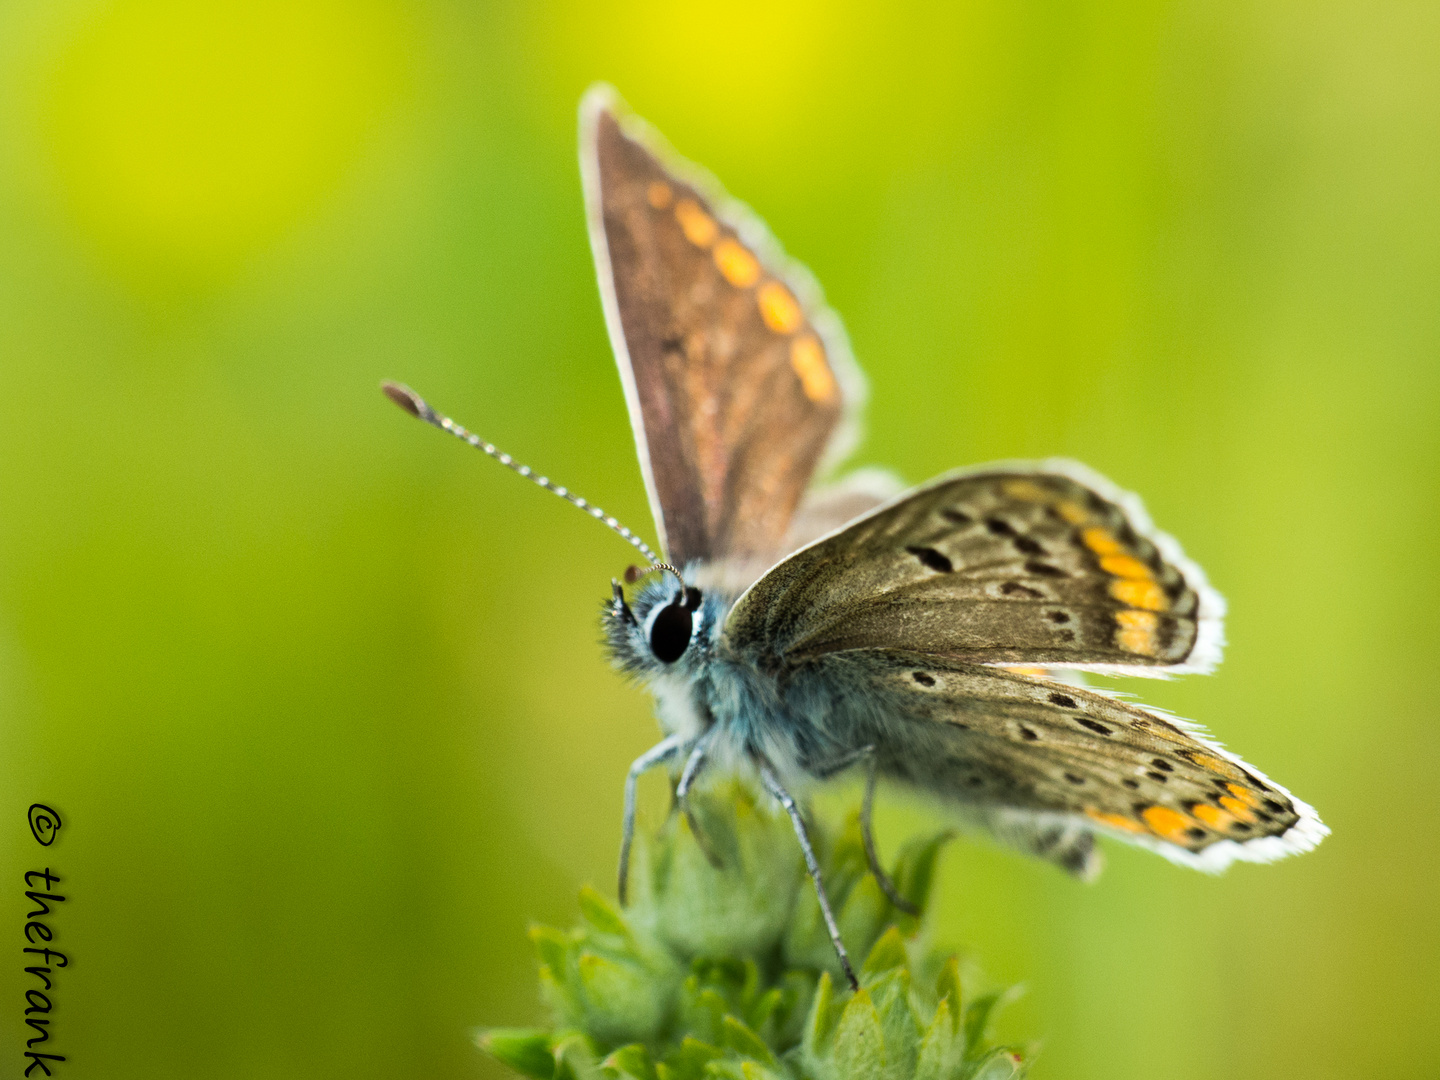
[752, 69]
[187, 135]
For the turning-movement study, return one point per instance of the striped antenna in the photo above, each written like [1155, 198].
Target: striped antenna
[416, 406]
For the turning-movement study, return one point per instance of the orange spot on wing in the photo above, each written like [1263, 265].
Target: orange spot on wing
[1123, 566]
[1037, 672]
[699, 227]
[1072, 512]
[1238, 808]
[740, 268]
[808, 360]
[1167, 824]
[778, 308]
[1213, 764]
[1115, 821]
[1140, 594]
[1245, 795]
[1136, 632]
[1216, 819]
[1101, 542]
[1025, 490]
[659, 194]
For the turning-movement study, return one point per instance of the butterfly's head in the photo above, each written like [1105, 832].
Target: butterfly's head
[667, 626]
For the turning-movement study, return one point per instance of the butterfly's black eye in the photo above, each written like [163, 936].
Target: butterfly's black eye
[670, 631]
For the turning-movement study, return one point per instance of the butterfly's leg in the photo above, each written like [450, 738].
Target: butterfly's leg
[656, 755]
[829, 769]
[693, 764]
[773, 785]
[883, 879]
[840, 764]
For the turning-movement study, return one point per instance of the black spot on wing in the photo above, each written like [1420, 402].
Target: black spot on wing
[1057, 617]
[956, 517]
[999, 527]
[1094, 725]
[1014, 588]
[1034, 566]
[1028, 546]
[922, 678]
[1065, 701]
[935, 560]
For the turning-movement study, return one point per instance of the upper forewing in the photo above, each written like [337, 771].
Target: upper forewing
[736, 375]
[1017, 565]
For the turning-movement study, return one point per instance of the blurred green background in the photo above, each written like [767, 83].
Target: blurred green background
[319, 693]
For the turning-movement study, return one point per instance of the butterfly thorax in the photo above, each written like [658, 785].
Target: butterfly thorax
[749, 707]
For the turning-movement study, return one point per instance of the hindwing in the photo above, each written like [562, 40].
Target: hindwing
[1027, 749]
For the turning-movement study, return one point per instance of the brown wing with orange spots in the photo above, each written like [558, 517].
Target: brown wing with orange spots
[1044, 763]
[730, 375]
[1046, 565]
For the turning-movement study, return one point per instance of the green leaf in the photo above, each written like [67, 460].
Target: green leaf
[561, 996]
[915, 868]
[597, 911]
[1000, 1064]
[623, 1001]
[526, 1050]
[741, 1070]
[552, 946]
[704, 1013]
[939, 1051]
[947, 990]
[630, 1063]
[736, 1036]
[899, 1025]
[690, 1059]
[859, 1042]
[977, 1020]
[887, 954]
[820, 1025]
[980, 1013]
[575, 1060]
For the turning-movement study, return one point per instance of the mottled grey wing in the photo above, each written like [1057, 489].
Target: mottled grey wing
[1022, 565]
[736, 375]
[1044, 763]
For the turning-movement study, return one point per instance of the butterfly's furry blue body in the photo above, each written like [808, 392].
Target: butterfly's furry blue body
[745, 708]
[713, 690]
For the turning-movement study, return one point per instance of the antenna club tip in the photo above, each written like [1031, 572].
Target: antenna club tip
[406, 398]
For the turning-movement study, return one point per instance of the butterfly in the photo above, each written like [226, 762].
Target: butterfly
[930, 637]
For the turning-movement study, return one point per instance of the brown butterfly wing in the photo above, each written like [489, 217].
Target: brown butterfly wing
[1044, 565]
[732, 386]
[1050, 761]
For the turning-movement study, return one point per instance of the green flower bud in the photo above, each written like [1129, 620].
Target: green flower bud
[726, 972]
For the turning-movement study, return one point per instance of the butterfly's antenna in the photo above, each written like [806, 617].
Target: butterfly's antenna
[416, 406]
